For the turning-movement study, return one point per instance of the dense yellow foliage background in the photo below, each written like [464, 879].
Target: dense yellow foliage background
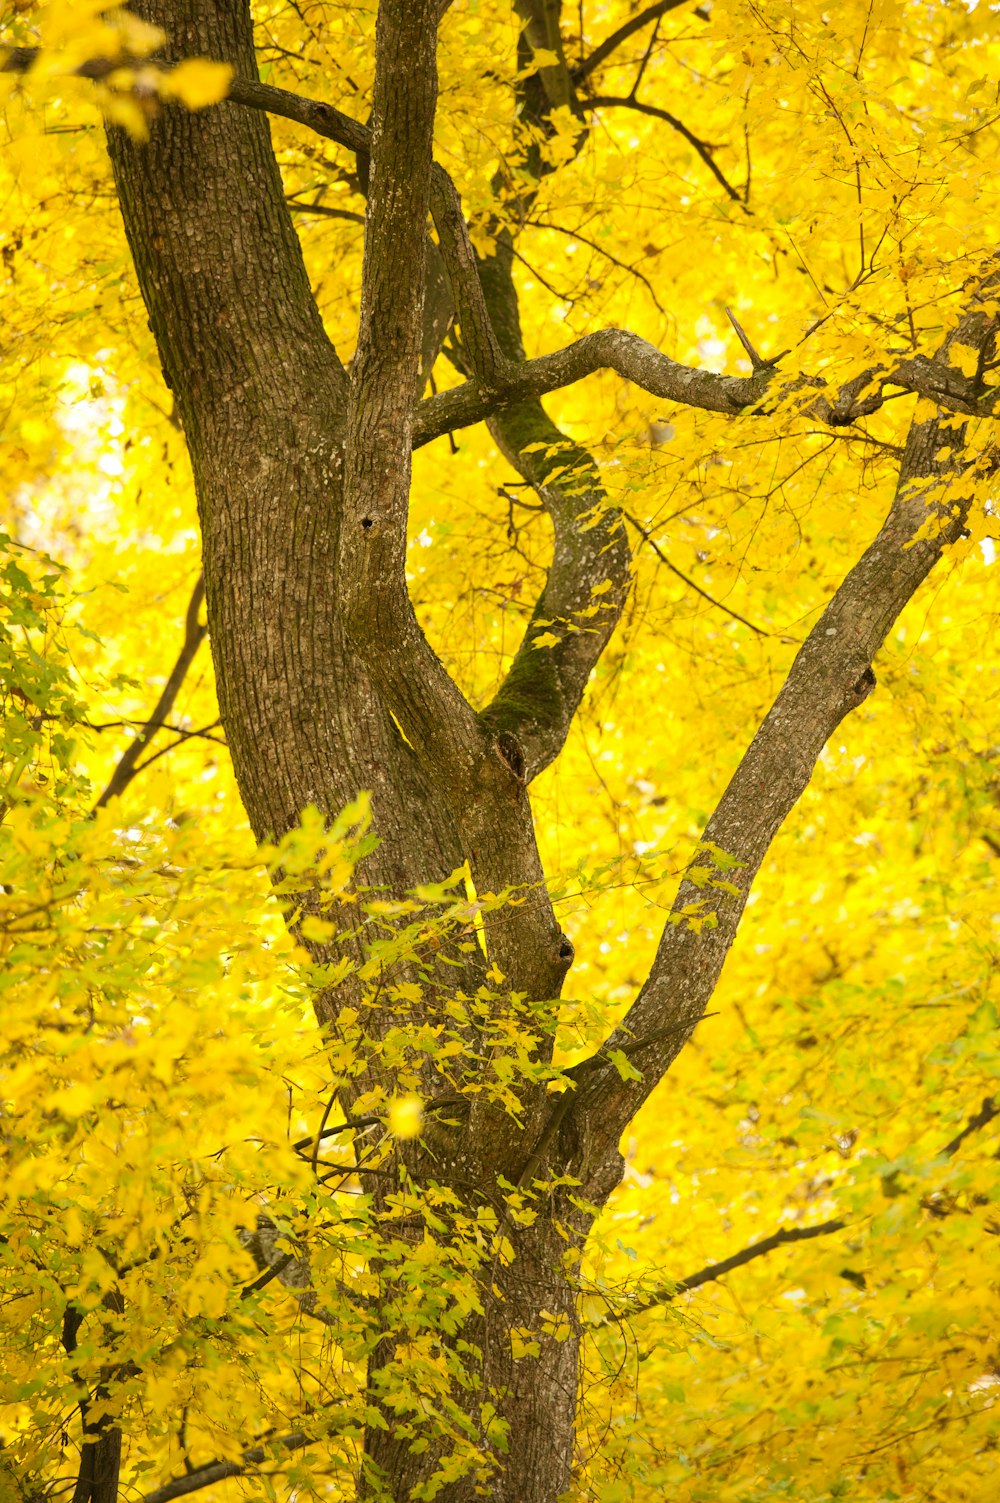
[159, 1058]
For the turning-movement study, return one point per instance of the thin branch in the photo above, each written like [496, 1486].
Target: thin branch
[603, 51]
[986, 1113]
[218, 1471]
[713, 1271]
[202, 734]
[648, 538]
[324, 211]
[128, 766]
[633, 91]
[704, 151]
[272, 1272]
[633, 271]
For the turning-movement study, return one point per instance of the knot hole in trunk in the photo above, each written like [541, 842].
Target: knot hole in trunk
[512, 752]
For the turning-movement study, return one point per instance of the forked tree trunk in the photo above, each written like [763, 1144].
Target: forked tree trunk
[263, 399]
[327, 686]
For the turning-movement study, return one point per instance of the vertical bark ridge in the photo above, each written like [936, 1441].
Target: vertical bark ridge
[263, 398]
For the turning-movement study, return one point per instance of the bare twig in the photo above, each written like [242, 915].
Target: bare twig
[989, 1110]
[756, 360]
[665, 561]
[128, 766]
[607, 102]
[324, 211]
[603, 51]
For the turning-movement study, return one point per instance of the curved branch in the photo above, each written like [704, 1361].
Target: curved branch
[634, 358]
[830, 677]
[611, 44]
[607, 101]
[640, 362]
[588, 577]
[585, 588]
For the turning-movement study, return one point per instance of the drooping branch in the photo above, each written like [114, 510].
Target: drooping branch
[831, 676]
[128, 764]
[704, 151]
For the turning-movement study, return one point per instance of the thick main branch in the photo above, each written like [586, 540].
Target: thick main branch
[831, 676]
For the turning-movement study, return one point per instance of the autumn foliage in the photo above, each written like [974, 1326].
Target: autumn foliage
[208, 1203]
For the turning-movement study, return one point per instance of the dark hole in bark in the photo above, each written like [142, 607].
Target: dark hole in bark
[512, 752]
[367, 522]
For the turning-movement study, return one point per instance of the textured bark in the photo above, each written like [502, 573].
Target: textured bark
[312, 690]
[588, 578]
[263, 399]
[327, 685]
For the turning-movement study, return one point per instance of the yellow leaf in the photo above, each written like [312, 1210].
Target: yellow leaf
[124, 110]
[964, 359]
[316, 929]
[197, 82]
[406, 1115]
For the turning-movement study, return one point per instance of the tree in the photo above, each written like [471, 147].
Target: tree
[437, 956]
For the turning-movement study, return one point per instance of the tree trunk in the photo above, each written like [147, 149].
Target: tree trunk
[524, 1376]
[264, 402]
[262, 396]
[328, 687]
